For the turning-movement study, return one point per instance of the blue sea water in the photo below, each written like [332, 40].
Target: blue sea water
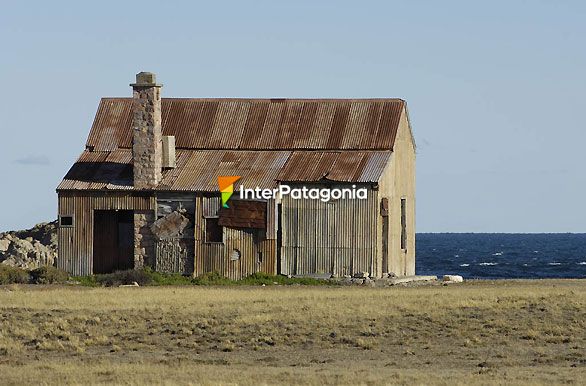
[502, 255]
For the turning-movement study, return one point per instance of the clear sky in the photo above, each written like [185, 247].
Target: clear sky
[496, 91]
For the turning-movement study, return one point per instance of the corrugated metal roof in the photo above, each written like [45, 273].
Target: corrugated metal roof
[257, 124]
[342, 166]
[100, 170]
[197, 170]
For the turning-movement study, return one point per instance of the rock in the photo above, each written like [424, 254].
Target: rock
[453, 278]
[134, 284]
[45, 232]
[4, 244]
[361, 275]
[369, 282]
[30, 248]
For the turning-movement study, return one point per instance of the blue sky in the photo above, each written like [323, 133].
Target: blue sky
[496, 91]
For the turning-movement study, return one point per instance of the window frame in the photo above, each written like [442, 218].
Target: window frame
[206, 219]
[61, 225]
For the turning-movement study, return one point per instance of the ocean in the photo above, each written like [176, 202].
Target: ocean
[502, 255]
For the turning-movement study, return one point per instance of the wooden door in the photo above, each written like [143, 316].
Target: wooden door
[113, 241]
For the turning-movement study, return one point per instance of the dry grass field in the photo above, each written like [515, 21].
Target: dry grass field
[516, 332]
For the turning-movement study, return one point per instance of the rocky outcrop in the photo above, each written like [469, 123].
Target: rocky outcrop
[30, 248]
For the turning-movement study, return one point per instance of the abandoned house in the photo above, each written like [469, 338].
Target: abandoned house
[144, 192]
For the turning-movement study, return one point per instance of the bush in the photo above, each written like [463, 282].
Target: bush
[212, 278]
[13, 275]
[160, 278]
[260, 278]
[118, 278]
[49, 275]
[147, 276]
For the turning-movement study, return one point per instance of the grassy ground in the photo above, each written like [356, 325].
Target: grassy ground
[479, 332]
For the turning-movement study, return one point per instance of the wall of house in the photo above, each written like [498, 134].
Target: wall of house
[174, 252]
[398, 181]
[76, 243]
[258, 248]
[336, 237]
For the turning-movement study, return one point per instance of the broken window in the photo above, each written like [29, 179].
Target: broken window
[214, 231]
[66, 221]
[403, 225]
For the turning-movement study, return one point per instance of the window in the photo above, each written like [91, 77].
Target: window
[403, 225]
[66, 221]
[214, 231]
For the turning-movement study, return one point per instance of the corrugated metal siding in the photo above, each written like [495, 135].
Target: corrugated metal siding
[277, 124]
[336, 237]
[76, 243]
[272, 220]
[215, 257]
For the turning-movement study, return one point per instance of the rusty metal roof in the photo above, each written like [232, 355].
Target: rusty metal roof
[100, 170]
[257, 124]
[197, 170]
[342, 166]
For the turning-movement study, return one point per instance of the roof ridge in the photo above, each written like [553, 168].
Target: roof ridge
[275, 99]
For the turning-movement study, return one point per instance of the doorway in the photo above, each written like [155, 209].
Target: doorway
[113, 240]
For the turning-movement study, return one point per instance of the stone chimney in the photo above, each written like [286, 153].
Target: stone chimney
[147, 150]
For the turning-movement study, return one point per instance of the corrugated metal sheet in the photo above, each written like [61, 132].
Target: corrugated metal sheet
[76, 243]
[257, 253]
[110, 118]
[100, 170]
[197, 170]
[344, 166]
[244, 214]
[257, 124]
[336, 237]
[202, 169]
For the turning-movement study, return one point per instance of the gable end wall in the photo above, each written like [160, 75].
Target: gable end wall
[398, 181]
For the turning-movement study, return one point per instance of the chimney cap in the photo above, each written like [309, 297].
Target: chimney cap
[146, 79]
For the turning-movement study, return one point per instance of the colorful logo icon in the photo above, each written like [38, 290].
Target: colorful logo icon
[226, 184]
